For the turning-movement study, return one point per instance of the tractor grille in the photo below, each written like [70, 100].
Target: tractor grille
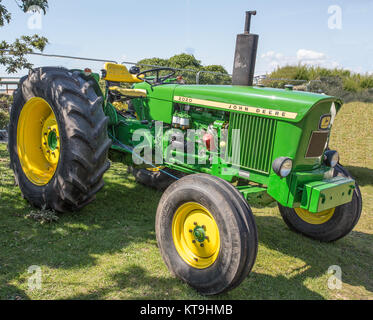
[256, 141]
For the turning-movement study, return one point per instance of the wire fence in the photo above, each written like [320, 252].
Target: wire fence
[191, 76]
[186, 73]
[327, 85]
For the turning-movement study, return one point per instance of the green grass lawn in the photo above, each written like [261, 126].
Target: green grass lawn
[109, 250]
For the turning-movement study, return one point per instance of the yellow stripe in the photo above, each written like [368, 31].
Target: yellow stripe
[237, 107]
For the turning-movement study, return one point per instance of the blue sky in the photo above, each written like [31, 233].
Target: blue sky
[290, 31]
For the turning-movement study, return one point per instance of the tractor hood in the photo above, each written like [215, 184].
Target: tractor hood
[267, 102]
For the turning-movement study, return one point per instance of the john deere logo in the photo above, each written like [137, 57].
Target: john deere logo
[325, 121]
[236, 107]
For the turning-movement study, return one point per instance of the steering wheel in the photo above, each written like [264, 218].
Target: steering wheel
[157, 80]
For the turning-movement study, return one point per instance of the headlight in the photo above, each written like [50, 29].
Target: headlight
[282, 166]
[331, 158]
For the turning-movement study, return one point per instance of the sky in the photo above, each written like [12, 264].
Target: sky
[328, 33]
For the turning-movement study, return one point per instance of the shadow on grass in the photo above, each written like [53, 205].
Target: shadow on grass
[352, 253]
[118, 217]
[363, 175]
[256, 286]
[136, 278]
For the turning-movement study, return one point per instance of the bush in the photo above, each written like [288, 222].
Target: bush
[4, 119]
[335, 82]
[367, 82]
[5, 103]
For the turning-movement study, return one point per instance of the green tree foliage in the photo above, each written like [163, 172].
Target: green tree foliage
[25, 5]
[191, 66]
[185, 61]
[220, 76]
[14, 59]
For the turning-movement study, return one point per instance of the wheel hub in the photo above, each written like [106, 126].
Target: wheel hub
[196, 235]
[52, 140]
[199, 233]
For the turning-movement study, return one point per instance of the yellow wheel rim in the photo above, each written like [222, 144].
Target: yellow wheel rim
[315, 218]
[38, 141]
[195, 235]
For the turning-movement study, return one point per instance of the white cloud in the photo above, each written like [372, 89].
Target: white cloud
[272, 60]
[303, 54]
[268, 54]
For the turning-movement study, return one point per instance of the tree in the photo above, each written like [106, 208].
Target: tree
[14, 58]
[146, 64]
[220, 75]
[189, 62]
[185, 61]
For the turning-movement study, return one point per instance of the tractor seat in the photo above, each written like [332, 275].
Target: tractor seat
[132, 93]
[118, 73]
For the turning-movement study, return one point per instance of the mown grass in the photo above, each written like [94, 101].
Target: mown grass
[109, 250]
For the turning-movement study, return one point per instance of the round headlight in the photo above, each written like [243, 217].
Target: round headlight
[331, 158]
[282, 166]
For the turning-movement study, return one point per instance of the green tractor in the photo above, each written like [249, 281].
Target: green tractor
[213, 148]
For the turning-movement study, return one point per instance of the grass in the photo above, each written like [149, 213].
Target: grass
[109, 250]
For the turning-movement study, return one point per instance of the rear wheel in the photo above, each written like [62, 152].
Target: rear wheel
[58, 140]
[206, 233]
[328, 225]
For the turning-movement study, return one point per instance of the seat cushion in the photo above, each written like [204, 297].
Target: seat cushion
[118, 73]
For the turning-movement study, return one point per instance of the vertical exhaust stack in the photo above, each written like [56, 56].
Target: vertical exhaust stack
[245, 56]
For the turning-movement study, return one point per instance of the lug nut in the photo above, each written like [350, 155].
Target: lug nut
[207, 238]
[202, 245]
[190, 230]
[194, 241]
[195, 223]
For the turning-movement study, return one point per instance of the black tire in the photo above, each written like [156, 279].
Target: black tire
[83, 137]
[237, 229]
[155, 179]
[344, 219]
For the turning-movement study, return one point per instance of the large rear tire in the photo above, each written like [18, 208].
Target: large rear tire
[206, 233]
[329, 225]
[58, 139]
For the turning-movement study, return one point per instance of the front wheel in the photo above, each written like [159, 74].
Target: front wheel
[206, 233]
[328, 225]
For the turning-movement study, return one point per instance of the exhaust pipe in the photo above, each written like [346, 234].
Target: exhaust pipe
[245, 55]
